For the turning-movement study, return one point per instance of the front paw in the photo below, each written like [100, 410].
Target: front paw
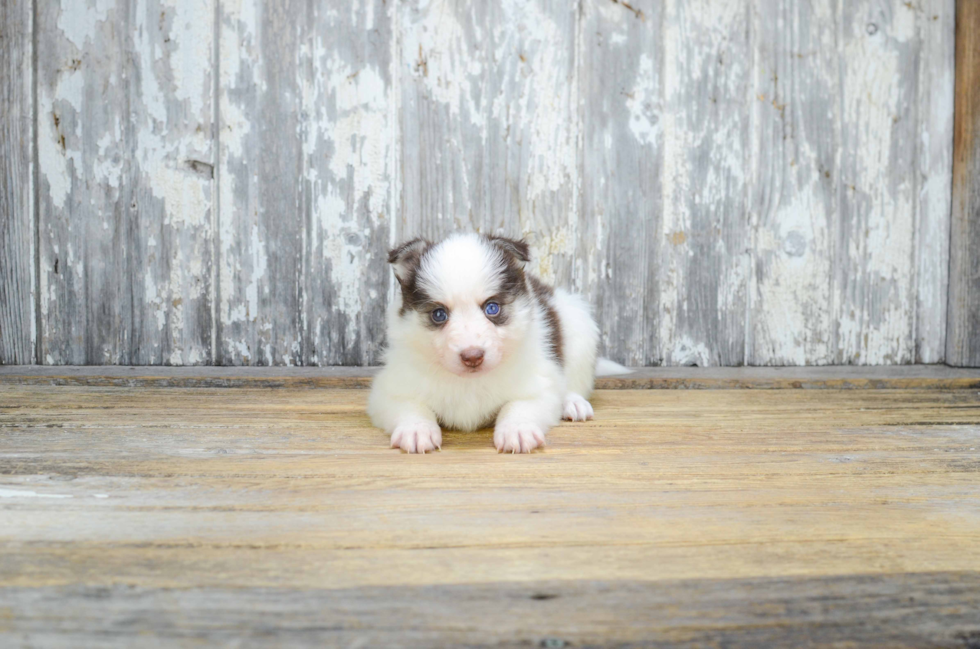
[417, 436]
[576, 408]
[517, 437]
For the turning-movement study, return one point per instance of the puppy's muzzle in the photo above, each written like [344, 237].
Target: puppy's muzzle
[471, 357]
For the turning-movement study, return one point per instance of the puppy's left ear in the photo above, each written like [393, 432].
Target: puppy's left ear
[514, 248]
[406, 258]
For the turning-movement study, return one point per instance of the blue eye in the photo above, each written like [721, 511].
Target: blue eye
[491, 308]
[439, 316]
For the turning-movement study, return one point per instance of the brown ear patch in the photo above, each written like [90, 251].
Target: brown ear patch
[406, 260]
[515, 248]
[407, 257]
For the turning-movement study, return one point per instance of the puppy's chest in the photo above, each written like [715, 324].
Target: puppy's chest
[467, 409]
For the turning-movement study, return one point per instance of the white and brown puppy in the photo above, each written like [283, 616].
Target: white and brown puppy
[475, 341]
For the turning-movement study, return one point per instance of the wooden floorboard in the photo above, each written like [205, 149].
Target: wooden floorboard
[256, 517]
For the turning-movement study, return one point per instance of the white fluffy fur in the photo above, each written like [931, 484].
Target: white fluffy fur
[519, 387]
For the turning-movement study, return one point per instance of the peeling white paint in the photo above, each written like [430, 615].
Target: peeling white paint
[704, 172]
[536, 105]
[57, 156]
[685, 351]
[192, 39]
[437, 50]
[357, 131]
[643, 103]
[80, 20]
[500, 85]
[154, 301]
[260, 264]
[875, 322]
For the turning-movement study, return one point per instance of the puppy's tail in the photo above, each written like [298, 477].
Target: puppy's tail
[606, 367]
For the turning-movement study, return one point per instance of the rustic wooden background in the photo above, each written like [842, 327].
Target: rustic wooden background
[728, 181]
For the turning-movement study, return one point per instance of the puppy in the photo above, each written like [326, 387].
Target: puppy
[474, 341]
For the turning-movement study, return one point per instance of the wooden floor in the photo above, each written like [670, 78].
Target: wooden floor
[278, 517]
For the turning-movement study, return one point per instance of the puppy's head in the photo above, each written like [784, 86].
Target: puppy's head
[465, 301]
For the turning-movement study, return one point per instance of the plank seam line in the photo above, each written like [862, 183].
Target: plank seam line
[35, 190]
[215, 183]
[948, 348]
[394, 131]
[915, 296]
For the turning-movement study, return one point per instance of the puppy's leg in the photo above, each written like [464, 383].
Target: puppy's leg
[522, 425]
[581, 345]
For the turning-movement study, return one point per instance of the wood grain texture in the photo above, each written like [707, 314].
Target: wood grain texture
[18, 321]
[350, 145]
[727, 183]
[875, 238]
[705, 260]
[264, 212]
[489, 126]
[444, 103]
[936, 35]
[845, 516]
[963, 334]
[795, 143]
[306, 182]
[891, 377]
[909, 610]
[533, 135]
[125, 157]
[621, 89]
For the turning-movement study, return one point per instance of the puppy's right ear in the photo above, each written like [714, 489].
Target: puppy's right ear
[406, 257]
[517, 249]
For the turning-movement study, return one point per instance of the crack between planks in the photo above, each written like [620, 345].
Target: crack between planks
[394, 132]
[36, 352]
[216, 185]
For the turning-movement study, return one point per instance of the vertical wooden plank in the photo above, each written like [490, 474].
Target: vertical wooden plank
[935, 29]
[963, 333]
[705, 236]
[532, 135]
[263, 208]
[623, 139]
[306, 143]
[84, 162]
[124, 145]
[490, 125]
[796, 110]
[875, 247]
[348, 152]
[173, 180]
[17, 269]
[442, 72]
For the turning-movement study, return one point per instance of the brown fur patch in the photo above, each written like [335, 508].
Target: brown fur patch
[515, 248]
[406, 259]
[544, 294]
[513, 281]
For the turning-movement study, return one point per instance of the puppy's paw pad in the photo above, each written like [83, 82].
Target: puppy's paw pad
[517, 437]
[576, 408]
[418, 436]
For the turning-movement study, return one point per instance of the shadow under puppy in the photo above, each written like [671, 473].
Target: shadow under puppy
[475, 341]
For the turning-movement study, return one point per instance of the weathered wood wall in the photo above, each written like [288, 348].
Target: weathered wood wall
[729, 182]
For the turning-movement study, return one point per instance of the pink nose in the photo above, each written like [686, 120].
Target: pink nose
[471, 356]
